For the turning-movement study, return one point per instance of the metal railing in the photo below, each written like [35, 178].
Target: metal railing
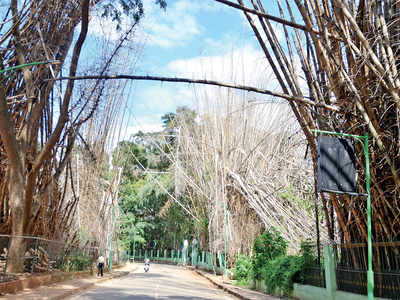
[352, 266]
[43, 255]
[194, 257]
[314, 275]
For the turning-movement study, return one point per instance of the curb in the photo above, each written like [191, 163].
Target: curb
[238, 292]
[221, 286]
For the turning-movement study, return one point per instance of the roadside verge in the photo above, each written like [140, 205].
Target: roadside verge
[60, 286]
[238, 292]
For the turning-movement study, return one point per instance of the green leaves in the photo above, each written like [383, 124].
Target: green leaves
[242, 269]
[271, 264]
[148, 180]
[133, 158]
[279, 273]
[130, 8]
[162, 3]
[266, 247]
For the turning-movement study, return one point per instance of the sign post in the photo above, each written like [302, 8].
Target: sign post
[364, 140]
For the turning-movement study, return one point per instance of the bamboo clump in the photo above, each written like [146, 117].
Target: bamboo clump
[67, 132]
[245, 156]
[347, 51]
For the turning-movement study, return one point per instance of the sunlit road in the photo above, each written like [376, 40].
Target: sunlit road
[161, 282]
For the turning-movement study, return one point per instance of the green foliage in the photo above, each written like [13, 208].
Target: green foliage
[271, 264]
[131, 8]
[132, 158]
[280, 272]
[77, 262]
[148, 212]
[266, 247]
[304, 201]
[307, 250]
[242, 269]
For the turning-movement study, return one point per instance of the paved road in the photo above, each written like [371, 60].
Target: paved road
[161, 282]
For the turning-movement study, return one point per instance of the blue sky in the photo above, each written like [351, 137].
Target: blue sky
[199, 39]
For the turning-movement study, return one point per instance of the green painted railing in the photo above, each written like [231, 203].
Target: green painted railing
[198, 258]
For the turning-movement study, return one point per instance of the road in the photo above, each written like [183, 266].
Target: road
[161, 282]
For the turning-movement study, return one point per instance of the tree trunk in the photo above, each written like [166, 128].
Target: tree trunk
[16, 185]
[17, 245]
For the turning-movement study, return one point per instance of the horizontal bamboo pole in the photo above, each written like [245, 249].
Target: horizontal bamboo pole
[202, 81]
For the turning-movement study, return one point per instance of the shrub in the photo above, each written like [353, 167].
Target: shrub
[280, 272]
[77, 262]
[242, 269]
[307, 250]
[266, 247]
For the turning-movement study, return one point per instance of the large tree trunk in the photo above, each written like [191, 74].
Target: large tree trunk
[16, 185]
[26, 164]
[17, 246]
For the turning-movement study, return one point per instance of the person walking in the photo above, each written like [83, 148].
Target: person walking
[100, 265]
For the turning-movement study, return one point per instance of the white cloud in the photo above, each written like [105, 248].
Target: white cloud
[163, 97]
[106, 28]
[172, 27]
[175, 26]
[154, 102]
[246, 66]
[144, 125]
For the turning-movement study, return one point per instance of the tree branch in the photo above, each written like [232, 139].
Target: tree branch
[262, 14]
[70, 86]
[7, 133]
[207, 82]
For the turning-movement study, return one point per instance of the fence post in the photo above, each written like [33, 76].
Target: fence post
[330, 272]
[35, 255]
[8, 251]
[194, 256]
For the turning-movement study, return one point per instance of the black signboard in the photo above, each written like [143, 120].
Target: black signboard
[336, 165]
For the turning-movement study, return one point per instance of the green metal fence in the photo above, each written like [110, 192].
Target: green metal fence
[197, 258]
[352, 266]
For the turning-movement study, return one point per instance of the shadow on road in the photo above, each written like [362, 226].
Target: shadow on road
[125, 294]
[148, 275]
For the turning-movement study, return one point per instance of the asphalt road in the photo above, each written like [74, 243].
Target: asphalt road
[161, 282]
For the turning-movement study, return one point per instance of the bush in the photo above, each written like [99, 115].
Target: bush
[266, 247]
[307, 250]
[77, 262]
[242, 269]
[280, 272]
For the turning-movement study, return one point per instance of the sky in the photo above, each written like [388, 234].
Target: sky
[200, 39]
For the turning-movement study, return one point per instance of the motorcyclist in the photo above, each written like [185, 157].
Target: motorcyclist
[146, 264]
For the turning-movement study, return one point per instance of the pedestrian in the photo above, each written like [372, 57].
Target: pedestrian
[100, 265]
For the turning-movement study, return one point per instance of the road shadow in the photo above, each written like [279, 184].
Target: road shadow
[147, 275]
[124, 294]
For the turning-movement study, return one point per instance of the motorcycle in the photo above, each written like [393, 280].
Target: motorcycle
[146, 265]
